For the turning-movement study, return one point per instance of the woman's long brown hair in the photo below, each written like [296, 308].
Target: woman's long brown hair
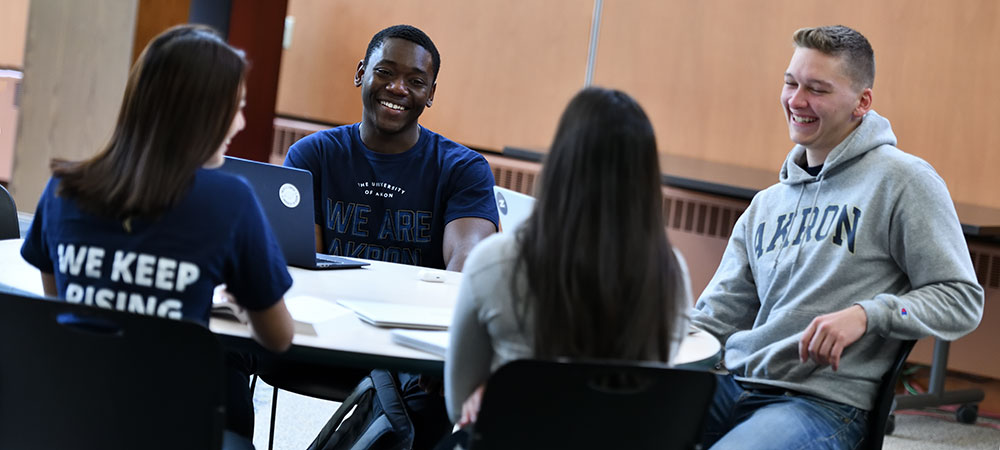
[179, 102]
[601, 275]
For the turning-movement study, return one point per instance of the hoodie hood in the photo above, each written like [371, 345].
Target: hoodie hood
[873, 132]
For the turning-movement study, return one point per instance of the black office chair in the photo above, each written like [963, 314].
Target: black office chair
[73, 376]
[967, 399]
[8, 216]
[881, 420]
[532, 404]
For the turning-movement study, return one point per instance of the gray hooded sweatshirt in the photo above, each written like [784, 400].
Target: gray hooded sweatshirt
[877, 228]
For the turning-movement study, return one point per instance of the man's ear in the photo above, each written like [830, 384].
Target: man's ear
[864, 103]
[430, 98]
[359, 74]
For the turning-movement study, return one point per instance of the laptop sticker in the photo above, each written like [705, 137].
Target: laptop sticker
[289, 195]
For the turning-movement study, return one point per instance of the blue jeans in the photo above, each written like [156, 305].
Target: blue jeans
[750, 419]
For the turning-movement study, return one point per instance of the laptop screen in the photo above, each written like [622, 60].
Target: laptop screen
[514, 207]
[286, 195]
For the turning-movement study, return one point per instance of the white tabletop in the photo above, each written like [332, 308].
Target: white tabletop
[345, 337]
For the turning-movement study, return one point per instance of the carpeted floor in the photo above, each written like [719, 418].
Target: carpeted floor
[922, 432]
[299, 418]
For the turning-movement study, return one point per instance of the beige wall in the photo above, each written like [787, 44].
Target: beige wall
[507, 67]
[13, 28]
[75, 67]
[9, 82]
[708, 72]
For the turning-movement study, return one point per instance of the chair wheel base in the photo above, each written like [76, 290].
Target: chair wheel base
[967, 414]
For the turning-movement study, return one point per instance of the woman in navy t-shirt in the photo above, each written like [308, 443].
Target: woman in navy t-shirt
[146, 226]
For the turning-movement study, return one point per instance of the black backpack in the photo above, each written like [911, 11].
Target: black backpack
[379, 420]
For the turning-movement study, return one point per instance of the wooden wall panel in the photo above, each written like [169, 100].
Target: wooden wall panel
[13, 29]
[256, 27]
[709, 74]
[154, 17]
[507, 68]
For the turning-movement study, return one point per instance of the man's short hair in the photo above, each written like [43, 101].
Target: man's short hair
[410, 33]
[844, 42]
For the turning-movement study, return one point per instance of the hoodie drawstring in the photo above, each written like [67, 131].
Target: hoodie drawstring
[819, 187]
[784, 244]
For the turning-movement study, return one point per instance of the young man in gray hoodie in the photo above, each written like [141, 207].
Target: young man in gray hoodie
[855, 250]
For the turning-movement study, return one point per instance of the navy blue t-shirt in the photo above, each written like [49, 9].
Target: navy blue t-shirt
[168, 267]
[392, 207]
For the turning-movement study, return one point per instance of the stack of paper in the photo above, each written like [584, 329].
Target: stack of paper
[392, 315]
[434, 342]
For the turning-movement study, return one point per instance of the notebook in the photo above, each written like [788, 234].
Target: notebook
[286, 195]
[433, 342]
[394, 315]
[514, 207]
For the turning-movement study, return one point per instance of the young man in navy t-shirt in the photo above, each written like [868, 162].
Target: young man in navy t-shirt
[386, 188]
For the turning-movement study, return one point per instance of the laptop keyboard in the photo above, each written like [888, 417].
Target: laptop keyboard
[324, 261]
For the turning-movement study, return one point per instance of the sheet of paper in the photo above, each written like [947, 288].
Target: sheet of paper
[308, 309]
[434, 342]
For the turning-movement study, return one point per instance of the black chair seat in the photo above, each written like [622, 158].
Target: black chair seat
[327, 383]
[532, 404]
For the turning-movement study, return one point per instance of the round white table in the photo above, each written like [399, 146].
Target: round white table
[340, 338]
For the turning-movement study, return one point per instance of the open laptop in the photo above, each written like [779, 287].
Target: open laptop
[514, 207]
[286, 195]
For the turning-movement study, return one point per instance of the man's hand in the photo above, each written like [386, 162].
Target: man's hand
[470, 409]
[828, 335]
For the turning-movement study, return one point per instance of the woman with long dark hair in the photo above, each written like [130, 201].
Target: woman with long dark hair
[590, 274]
[146, 226]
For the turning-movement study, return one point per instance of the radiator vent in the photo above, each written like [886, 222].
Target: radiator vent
[704, 217]
[515, 180]
[682, 210]
[286, 133]
[514, 174]
[986, 261]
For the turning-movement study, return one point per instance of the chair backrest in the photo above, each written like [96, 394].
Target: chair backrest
[532, 404]
[8, 216]
[885, 399]
[514, 207]
[74, 376]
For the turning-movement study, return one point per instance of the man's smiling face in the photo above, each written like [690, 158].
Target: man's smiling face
[397, 84]
[822, 105]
